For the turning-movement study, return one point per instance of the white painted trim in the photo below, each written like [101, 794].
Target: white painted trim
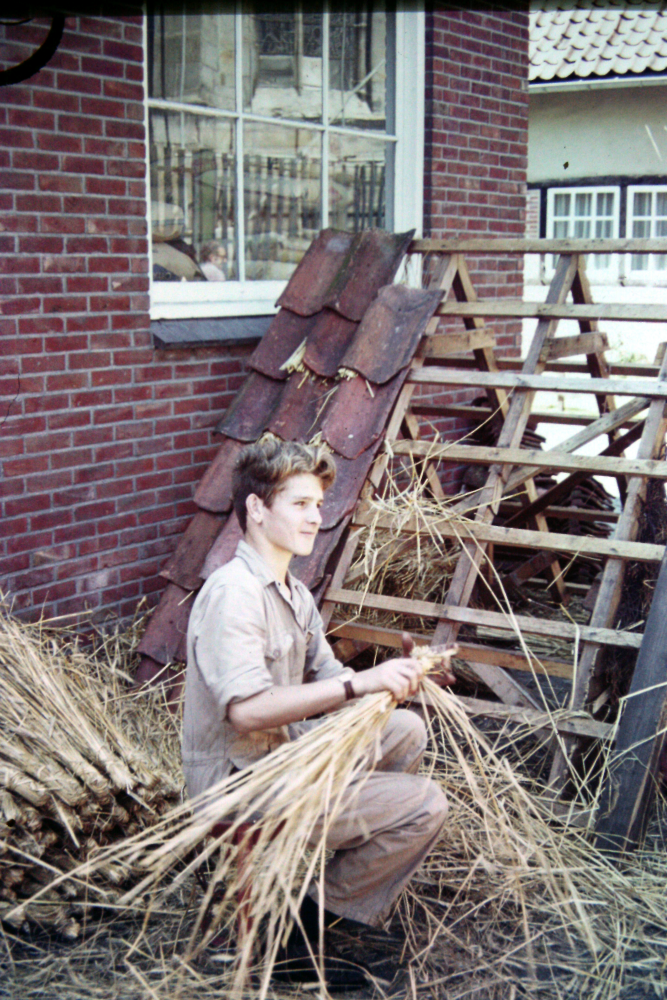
[410, 111]
[617, 83]
[249, 298]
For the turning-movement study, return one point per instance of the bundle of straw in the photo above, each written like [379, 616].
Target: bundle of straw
[72, 778]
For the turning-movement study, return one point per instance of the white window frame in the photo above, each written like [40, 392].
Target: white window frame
[597, 275]
[405, 190]
[652, 274]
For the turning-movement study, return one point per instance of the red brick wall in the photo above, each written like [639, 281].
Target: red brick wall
[477, 148]
[102, 436]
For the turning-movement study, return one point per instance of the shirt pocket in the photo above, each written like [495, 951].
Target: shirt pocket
[278, 645]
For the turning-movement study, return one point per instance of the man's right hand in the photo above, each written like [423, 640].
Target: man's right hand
[400, 677]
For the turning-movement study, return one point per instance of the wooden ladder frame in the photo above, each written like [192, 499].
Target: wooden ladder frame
[512, 469]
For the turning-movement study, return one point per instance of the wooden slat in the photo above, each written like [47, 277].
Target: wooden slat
[561, 461]
[510, 507]
[574, 367]
[583, 343]
[461, 530]
[444, 345]
[538, 383]
[477, 413]
[631, 784]
[512, 245]
[517, 308]
[381, 636]
[487, 619]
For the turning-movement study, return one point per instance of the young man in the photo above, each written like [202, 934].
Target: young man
[260, 667]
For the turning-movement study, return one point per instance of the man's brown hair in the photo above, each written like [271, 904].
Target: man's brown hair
[263, 467]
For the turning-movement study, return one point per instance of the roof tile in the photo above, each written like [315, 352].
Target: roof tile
[168, 626]
[251, 410]
[327, 343]
[215, 489]
[390, 331]
[310, 569]
[307, 289]
[286, 333]
[223, 547]
[587, 40]
[340, 498]
[184, 567]
[373, 262]
[357, 415]
[297, 416]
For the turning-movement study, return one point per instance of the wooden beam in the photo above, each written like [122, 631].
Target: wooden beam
[381, 636]
[487, 619]
[512, 245]
[517, 308]
[538, 383]
[584, 343]
[444, 345]
[463, 530]
[477, 413]
[561, 461]
[537, 719]
[575, 367]
[630, 786]
[509, 508]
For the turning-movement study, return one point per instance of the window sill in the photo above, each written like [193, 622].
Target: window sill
[188, 333]
[215, 299]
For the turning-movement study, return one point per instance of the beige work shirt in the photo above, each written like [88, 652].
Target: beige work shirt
[245, 636]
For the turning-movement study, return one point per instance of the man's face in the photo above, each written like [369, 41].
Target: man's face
[292, 521]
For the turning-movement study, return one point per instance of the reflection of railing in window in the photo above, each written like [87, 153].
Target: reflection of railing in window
[281, 197]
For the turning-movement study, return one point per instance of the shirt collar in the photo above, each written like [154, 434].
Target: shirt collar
[259, 567]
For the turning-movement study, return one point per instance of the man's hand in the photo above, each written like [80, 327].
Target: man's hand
[400, 677]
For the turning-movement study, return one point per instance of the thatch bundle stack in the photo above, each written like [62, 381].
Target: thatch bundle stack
[72, 777]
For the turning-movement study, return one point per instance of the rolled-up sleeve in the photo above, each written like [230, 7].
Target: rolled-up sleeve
[229, 644]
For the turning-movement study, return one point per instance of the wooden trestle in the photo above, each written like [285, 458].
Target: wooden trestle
[469, 360]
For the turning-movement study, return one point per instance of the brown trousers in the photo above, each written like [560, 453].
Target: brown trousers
[391, 819]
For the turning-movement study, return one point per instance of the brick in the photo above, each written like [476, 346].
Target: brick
[79, 83]
[82, 165]
[106, 186]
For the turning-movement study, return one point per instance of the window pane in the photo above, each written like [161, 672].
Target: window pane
[561, 206]
[605, 204]
[583, 204]
[357, 190]
[582, 229]
[641, 205]
[191, 58]
[358, 64]
[282, 200]
[282, 64]
[192, 196]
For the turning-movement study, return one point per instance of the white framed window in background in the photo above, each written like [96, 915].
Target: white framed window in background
[266, 125]
[585, 213]
[647, 218]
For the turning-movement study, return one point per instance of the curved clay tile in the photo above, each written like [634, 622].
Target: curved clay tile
[287, 331]
[390, 331]
[308, 287]
[357, 415]
[251, 410]
[185, 566]
[328, 341]
[223, 547]
[341, 498]
[214, 491]
[298, 414]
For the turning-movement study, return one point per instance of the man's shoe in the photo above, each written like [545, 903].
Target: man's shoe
[294, 964]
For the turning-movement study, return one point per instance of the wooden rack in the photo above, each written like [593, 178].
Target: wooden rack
[468, 359]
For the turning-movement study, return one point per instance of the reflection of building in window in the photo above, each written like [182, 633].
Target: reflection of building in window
[585, 213]
[254, 147]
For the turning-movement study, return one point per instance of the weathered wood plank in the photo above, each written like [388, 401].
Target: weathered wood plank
[574, 367]
[488, 619]
[444, 345]
[381, 636]
[584, 545]
[476, 413]
[538, 383]
[517, 308]
[538, 719]
[511, 245]
[584, 343]
[604, 465]
[630, 787]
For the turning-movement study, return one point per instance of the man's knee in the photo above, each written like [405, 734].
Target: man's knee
[403, 741]
[435, 806]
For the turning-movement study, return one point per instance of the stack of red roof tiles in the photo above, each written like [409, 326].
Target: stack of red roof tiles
[330, 366]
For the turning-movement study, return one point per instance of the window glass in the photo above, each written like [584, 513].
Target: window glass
[357, 182]
[193, 179]
[358, 67]
[647, 211]
[281, 197]
[584, 213]
[282, 65]
[191, 59]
